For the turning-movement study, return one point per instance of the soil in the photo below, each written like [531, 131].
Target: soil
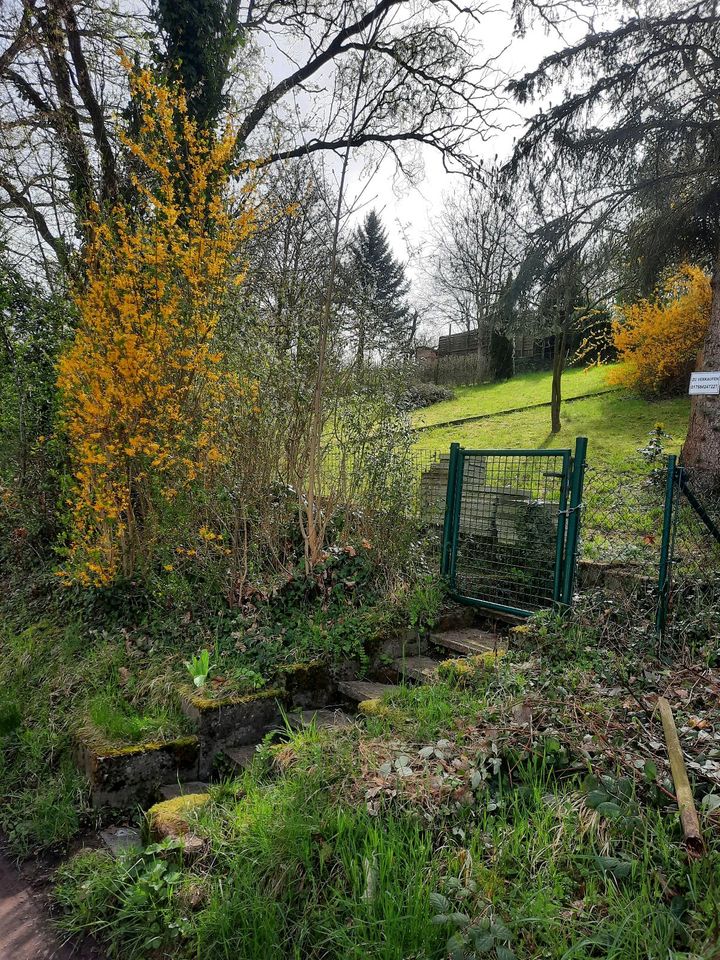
[26, 932]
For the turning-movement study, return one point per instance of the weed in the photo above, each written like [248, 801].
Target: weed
[199, 668]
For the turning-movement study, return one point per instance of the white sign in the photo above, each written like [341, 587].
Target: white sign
[705, 384]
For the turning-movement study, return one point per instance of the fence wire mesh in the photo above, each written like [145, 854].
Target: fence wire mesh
[506, 538]
[694, 605]
[507, 528]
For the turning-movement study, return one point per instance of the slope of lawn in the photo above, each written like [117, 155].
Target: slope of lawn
[521, 391]
[617, 424]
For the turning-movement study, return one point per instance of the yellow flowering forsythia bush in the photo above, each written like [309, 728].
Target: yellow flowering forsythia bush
[145, 391]
[659, 339]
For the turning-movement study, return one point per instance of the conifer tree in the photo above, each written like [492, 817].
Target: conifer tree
[639, 121]
[379, 316]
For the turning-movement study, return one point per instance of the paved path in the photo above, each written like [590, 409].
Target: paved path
[25, 930]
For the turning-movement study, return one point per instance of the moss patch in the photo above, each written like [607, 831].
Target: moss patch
[203, 703]
[469, 669]
[170, 817]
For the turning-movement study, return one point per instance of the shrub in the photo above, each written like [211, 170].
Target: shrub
[144, 389]
[658, 339]
[424, 394]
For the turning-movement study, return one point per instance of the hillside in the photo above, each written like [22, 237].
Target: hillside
[616, 423]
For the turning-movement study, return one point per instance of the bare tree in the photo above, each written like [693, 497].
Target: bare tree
[61, 87]
[476, 248]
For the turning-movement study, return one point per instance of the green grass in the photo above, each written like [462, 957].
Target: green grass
[521, 391]
[616, 425]
[119, 723]
[297, 867]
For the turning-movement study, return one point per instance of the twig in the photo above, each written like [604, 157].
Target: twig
[686, 804]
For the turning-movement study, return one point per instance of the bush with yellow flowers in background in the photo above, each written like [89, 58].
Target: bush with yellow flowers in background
[145, 389]
[658, 339]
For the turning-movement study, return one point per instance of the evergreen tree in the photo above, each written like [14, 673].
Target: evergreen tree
[639, 121]
[200, 38]
[379, 315]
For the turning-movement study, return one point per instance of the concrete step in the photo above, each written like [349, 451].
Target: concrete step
[241, 757]
[359, 690]
[469, 641]
[169, 791]
[419, 669]
[324, 719]
[120, 840]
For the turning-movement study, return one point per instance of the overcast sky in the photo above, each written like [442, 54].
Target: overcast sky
[409, 209]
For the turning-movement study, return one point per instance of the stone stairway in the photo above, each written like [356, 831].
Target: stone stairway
[417, 669]
[469, 641]
[233, 728]
[357, 691]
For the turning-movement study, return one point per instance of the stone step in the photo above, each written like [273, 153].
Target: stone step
[419, 669]
[169, 791]
[361, 690]
[120, 840]
[323, 719]
[469, 640]
[241, 757]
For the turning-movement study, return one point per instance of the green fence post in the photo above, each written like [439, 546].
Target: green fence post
[561, 527]
[665, 558]
[449, 505]
[457, 508]
[573, 524]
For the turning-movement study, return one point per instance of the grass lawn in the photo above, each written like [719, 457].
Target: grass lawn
[615, 423]
[520, 391]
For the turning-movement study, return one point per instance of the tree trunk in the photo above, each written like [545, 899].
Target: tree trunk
[702, 443]
[557, 372]
[360, 350]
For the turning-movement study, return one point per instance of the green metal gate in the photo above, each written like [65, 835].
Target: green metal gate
[688, 504]
[512, 520]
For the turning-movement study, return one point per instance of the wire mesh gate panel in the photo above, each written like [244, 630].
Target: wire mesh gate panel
[511, 526]
[689, 582]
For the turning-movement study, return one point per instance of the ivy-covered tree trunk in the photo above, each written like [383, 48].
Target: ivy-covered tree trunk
[557, 372]
[702, 444]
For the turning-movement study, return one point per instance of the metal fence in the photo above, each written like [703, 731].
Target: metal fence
[621, 555]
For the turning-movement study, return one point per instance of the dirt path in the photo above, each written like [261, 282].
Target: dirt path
[25, 929]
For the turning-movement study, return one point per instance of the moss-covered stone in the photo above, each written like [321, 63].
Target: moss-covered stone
[467, 670]
[195, 703]
[120, 776]
[231, 722]
[379, 709]
[170, 818]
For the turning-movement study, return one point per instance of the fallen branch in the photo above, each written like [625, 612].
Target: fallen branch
[685, 802]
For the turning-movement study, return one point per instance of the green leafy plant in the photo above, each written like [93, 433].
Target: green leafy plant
[470, 939]
[424, 602]
[199, 668]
